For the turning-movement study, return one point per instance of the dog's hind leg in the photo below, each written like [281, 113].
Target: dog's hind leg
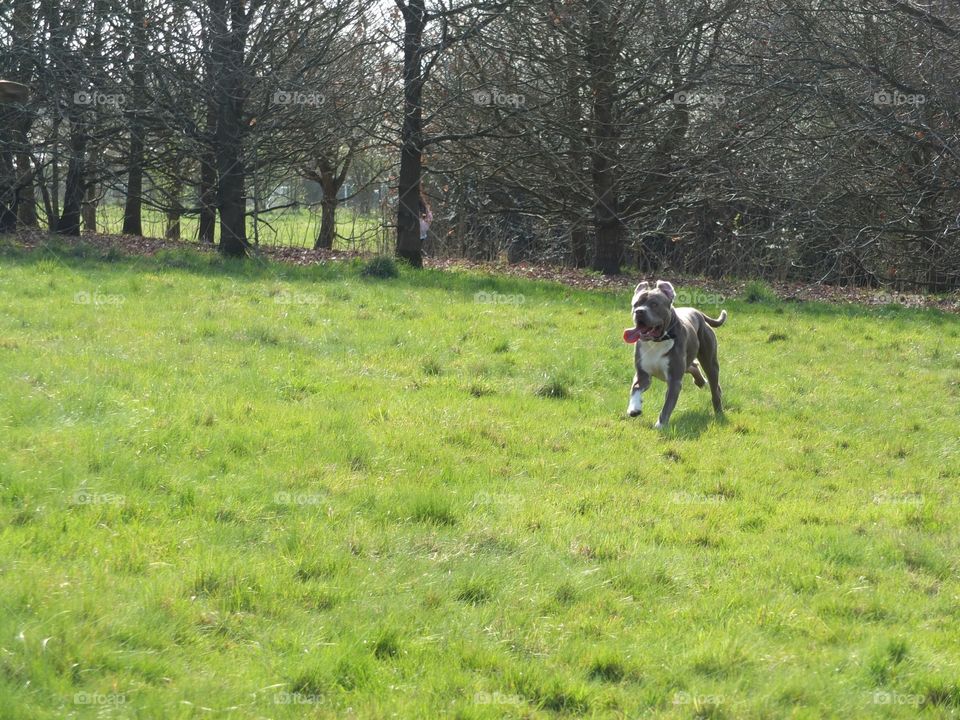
[694, 370]
[712, 370]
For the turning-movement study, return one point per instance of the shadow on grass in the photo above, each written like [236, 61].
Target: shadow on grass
[691, 424]
[78, 255]
[817, 309]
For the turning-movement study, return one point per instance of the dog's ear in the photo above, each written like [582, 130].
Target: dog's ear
[641, 287]
[667, 289]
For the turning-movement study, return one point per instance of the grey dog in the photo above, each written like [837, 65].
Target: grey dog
[671, 342]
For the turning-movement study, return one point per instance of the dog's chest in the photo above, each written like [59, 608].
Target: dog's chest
[653, 357]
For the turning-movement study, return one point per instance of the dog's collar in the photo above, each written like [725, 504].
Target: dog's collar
[670, 334]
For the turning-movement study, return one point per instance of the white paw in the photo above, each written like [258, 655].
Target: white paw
[636, 403]
[660, 425]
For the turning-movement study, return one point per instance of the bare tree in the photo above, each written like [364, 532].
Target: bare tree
[456, 23]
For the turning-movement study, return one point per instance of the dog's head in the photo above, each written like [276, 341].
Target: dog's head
[652, 311]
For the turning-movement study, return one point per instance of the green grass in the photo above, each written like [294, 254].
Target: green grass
[251, 491]
[758, 291]
[293, 227]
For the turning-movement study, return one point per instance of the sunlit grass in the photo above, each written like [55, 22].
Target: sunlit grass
[250, 491]
[291, 227]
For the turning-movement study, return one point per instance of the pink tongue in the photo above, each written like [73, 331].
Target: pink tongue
[631, 335]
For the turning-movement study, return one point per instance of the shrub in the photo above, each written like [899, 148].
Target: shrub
[380, 267]
[758, 291]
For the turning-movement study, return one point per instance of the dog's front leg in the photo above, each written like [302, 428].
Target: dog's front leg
[641, 381]
[674, 384]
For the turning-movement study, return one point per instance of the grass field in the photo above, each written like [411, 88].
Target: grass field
[261, 491]
[291, 227]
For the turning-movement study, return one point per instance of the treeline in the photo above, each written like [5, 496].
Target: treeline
[769, 138]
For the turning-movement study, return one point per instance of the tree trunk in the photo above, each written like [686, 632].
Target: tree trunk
[48, 208]
[608, 242]
[174, 211]
[89, 209]
[227, 50]
[27, 206]
[576, 153]
[8, 184]
[53, 189]
[231, 199]
[173, 222]
[208, 197]
[328, 223]
[69, 222]
[173, 226]
[75, 187]
[579, 243]
[330, 183]
[132, 207]
[409, 246]
[207, 225]
[24, 30]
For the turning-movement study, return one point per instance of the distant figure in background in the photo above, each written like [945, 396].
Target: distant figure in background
[426, 216]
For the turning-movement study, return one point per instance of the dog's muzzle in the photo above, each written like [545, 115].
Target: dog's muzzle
[642, 332]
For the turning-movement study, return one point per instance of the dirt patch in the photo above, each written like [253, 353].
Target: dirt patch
[701, 291]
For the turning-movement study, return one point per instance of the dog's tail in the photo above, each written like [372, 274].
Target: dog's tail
[718, 322]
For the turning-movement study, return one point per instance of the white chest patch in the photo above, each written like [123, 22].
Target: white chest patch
[653, 357]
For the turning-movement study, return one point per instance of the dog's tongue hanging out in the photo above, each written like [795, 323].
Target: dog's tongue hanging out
[632, 335]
